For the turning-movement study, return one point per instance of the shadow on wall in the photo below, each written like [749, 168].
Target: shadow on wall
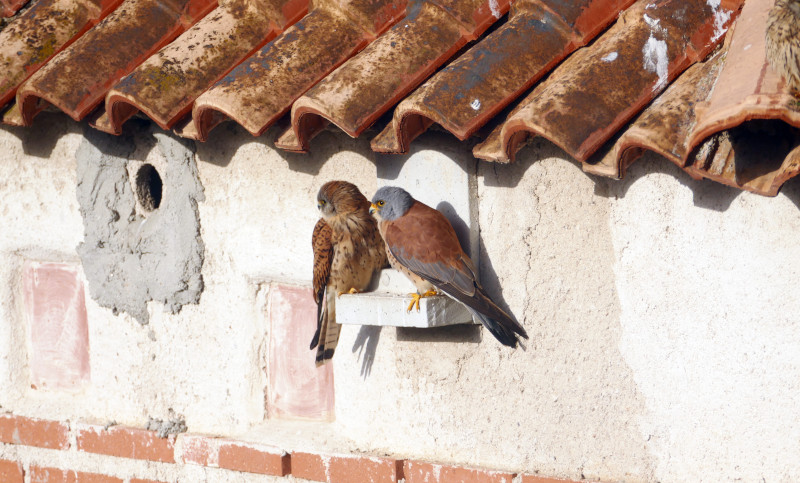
[707, 194]
[792, 191]
[229, 137]
[365, 346]
[40, 139]
[390, 165]
[451, 333]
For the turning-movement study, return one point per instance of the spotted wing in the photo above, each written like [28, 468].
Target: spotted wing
[323, 257]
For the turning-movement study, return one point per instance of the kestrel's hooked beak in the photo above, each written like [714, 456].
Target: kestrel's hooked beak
[372, 208]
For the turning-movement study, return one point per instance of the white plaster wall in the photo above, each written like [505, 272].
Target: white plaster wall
[710, 318]
[206, 363]
[37, 221]
[663, 326]
[661, 311]
[565, 405]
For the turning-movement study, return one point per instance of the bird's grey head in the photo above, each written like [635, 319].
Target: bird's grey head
[391, 202]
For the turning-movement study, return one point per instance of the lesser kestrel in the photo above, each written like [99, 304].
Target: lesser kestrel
[347, 250]
[783, 41]
[421, 244]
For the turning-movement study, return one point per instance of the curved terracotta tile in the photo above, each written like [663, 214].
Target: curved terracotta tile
[727, 129]
[758, 156]
[474, 15]
[10, 7]
[166, 84]
[366, 86]
[665, 126]
[39, 33]
[76, 79]
[263, 87]
[474, 88]
[599, 88]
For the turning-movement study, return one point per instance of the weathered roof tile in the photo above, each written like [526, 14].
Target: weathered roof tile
[165, 86]
[475, 87]
[39, 33]
[665, 126]
[10, 7]
[77, 79]
[746, 133]
[263, 87]
[369, 84]
[599, 88]
[729, 118]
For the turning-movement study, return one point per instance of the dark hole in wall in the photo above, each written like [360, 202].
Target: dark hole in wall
[149, 187]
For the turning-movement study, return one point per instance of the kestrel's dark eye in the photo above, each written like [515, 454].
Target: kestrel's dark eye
[321, 202]
[381, 203]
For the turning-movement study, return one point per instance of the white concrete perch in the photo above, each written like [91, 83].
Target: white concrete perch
[386, 305]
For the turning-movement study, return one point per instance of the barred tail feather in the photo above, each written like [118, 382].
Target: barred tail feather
[320, 315]
[328, 329]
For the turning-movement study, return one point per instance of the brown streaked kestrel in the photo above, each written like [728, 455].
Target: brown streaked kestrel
[421, 244]
[347, 250]
[783, 41]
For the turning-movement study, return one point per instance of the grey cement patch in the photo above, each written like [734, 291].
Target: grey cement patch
[174, 424]
[131, 253]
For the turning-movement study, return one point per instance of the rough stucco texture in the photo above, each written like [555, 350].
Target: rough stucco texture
[131, 256]
[662, 313]
[546, 255]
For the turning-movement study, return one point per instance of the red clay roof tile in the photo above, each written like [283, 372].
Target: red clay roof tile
[730, 144]
[10, 7]
[715, 121]
[76, 79]
[599, 88]
[709, 121]
[366, 86]
[474, 88]
[664, 127]
[39, 33]
[165, 86]
[263, 87]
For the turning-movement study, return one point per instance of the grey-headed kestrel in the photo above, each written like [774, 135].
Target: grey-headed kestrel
[783, 41]
[421, 244]
[347, 250]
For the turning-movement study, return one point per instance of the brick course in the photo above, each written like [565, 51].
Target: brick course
[362, 469]
[309, 466]
[56, 475]
[11, 472]
[419, 472]
[253, 459]
[33, 432]
[125, 442]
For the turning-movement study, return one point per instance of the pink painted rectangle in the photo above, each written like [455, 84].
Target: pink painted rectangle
[55, 307]
[297, 388]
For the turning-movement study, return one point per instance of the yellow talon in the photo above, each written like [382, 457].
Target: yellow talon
[351, 292]
[414, 301]
[415, 298]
